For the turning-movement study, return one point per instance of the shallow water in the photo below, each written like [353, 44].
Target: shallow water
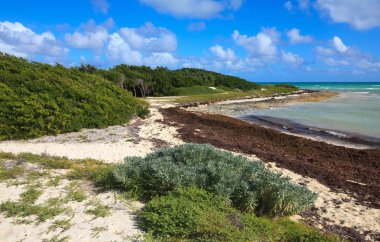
[356, 110]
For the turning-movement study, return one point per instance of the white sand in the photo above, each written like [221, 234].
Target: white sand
[110, 145]
[348, 213]
[118, 226]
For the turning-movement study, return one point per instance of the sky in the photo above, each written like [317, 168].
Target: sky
[264, 41]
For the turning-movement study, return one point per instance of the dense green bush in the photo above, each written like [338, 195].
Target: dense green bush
[144, 81]
[194, 214]
[38, 99]
[249, 185]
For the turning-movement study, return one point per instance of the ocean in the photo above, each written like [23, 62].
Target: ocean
[354, 112]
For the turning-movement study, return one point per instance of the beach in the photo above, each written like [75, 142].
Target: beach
[346, 179]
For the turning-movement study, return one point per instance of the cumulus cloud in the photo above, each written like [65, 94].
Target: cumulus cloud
[338, 44]
[150, 38]
[295, 37]
[147, 45]
[93, 37]
[291, 58]
[222, 54]
[263, 44]
[159, 59]
[362, 15]
[197, 26]
[101, 6]
[201, 9]
[118, 50]
[16, 39]
[339, 54]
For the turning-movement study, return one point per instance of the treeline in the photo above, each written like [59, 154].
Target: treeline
[38, 99]
[144, 81]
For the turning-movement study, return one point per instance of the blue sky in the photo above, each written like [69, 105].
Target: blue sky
[273, 40]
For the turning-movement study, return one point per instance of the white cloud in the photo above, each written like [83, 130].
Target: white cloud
[263, 44]
[291, 58]
[161, 59]
[337, 48]
[90, 39]
[149, 38]
[360, 14]
[16, 39]
[147, 45]
[118, 50]
[338, 44]
[222, 54]
[197, 26]
[201, 9]
[325, 51]
[295, 37]
[335, 62]
[288, 6]
[101, 6]
[339, 54]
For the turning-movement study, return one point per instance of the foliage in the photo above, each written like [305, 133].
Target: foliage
[99, 173]
[249, 185]
[26, 206]
[99, 210]
[39, 99]
[144, 81]
[266, 90]
[194, 214]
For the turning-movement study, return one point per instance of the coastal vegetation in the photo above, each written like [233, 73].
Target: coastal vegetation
[248, 184]
[39, 99]
[145, 81]
[193, 214]
[185, 212]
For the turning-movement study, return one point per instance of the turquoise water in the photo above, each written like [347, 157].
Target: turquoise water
[355, 110]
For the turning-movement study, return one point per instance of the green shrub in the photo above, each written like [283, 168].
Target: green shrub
[194, 214]
[39, 99]
[249, 185]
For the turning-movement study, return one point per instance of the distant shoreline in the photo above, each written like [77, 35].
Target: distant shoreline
[338, 167]
[237, 109]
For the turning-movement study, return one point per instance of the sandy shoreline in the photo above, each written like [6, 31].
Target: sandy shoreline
[336, 210]
[242, 109]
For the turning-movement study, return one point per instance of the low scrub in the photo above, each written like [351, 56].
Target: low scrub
[194, 214]
[39, 99]
[250, 186]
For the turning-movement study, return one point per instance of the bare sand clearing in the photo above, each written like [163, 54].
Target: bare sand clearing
[112, 144]
[334, 211]
[75, 223]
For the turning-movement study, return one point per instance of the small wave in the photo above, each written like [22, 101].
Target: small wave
[314, 129]
[337, 134]
[375, 85]
[372, 88]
